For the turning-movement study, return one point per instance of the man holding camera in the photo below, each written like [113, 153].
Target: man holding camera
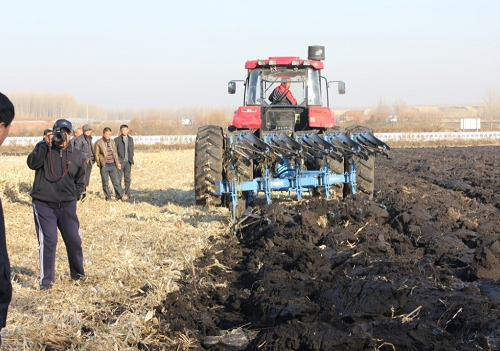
[59, 183]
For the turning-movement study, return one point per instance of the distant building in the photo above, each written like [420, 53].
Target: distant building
[187, 122]
[392, 118]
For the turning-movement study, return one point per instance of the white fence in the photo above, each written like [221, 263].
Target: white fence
[437, 136]
[138, 139]
[190, 139]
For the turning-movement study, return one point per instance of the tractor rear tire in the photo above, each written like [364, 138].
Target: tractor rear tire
[208, 164]
[365, 169]
[365, 175]
[335, 167]
[244, 172]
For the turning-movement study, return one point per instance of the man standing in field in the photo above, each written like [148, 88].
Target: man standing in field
[125, 149]
[59, 182]
[6, 116]
[84, 144]
[76, 133]
[107, 160]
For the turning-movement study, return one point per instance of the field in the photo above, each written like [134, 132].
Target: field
[417, 268]
[134, 252]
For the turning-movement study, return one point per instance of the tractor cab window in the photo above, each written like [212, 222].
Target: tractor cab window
[313, 88]
[272, 78]
[253, 88]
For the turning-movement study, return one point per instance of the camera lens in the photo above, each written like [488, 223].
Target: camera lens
[59, 136]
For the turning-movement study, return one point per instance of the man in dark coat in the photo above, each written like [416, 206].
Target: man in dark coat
[125, 148]
[6, 116]
[84, 143]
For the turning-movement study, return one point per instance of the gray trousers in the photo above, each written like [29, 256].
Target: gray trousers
[88, 171]
[111, 171]
[125, 173]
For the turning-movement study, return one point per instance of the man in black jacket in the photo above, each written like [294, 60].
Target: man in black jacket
[6, 116]
[59, 183]
[125, 148]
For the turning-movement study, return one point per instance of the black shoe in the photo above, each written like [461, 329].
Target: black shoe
[45, 287]
[80, 277]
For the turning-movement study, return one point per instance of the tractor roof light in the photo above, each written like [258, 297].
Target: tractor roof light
[272, 62]
[295, 62]
[261, 62]
[306, 63]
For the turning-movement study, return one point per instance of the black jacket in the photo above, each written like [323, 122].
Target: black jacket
[5, 284]
[59, 176]
[120, 148]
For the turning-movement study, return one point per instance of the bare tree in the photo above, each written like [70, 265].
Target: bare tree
[490, 110]
[382, 111]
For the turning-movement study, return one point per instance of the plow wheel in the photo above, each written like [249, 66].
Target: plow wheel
[208, 164]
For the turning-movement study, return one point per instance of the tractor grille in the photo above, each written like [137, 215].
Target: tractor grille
[280, 119]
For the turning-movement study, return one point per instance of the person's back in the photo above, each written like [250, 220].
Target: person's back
[282, 95]
[7, 114]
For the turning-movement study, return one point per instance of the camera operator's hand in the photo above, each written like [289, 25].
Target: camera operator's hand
[119, 166]
[48, 138]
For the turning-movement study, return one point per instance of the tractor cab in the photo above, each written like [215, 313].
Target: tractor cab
[261, 111]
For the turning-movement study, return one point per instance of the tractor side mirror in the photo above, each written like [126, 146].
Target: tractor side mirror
[231, 87]
[341, 88]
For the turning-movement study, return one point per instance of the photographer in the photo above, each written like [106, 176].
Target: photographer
[59, 182]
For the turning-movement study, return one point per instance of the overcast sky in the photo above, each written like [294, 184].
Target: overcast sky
[162, 54]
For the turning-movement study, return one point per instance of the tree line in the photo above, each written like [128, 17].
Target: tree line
[50, 106]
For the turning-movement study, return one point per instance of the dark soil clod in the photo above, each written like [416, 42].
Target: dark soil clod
[417, 268]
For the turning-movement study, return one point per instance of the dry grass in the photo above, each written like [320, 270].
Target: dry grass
[133, 252]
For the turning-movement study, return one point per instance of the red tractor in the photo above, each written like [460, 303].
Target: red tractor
[283, 138]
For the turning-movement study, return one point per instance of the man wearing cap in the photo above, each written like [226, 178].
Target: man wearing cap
[282, 94]
[59, 183]
[84, 144]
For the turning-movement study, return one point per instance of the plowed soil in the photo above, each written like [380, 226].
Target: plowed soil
[416, 268]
